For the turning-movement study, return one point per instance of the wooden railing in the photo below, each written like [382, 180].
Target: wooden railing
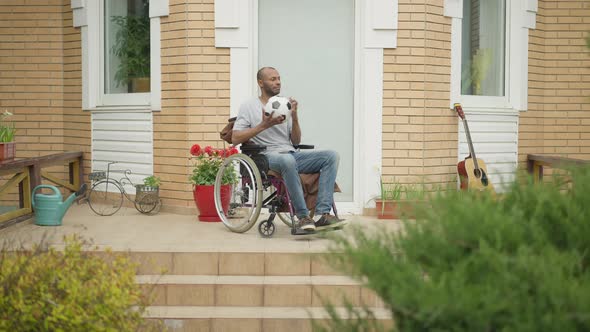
[536, 162]
[28, 173]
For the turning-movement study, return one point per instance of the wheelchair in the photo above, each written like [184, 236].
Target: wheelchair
[254, 187]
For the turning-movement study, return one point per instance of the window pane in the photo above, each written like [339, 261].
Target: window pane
[483, 47]
[127, 46]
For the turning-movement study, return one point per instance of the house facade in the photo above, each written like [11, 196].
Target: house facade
[376, 81]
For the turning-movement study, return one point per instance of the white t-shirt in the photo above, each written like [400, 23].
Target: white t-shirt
[276, 138]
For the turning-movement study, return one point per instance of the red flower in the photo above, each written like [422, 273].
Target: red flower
[209, 150]
[196, 150]
[223, 153]
[233, 151]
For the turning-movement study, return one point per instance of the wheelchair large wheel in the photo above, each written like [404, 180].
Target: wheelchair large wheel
[242, 199]
[285, 218]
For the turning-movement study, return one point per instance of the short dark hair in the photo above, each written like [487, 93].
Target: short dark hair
[259, 73]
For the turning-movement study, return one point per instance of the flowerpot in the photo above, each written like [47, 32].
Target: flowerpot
[397, 209]
[205, 200]
[140, 84]
[7, 150]
[142, 190]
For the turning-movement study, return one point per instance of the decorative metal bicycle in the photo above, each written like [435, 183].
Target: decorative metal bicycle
[105, 197]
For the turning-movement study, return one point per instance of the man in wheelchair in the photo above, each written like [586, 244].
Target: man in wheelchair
[279, 136]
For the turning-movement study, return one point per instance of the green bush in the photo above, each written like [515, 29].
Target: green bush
[46, 290]
[474, 263]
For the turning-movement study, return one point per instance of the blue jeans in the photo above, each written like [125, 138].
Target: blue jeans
[290, 164]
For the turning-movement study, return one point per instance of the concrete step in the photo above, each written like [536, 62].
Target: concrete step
[246, 291]
[232, 263]
[284, 319]
[256, 291]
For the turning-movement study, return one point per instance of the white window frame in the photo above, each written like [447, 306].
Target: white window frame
[520, 17]
[115, 99]
[88, 15]
[492, 101]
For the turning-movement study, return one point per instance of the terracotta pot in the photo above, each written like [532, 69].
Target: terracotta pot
[397, 209]
[140, 84]
[7, 150]
[205, 201]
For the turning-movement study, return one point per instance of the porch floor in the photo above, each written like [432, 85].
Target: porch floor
[129, 230]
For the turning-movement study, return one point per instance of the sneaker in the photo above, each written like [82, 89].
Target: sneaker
[307, 224]
[328, 221]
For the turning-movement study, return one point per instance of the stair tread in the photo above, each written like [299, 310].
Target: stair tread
[236, 312]
[246, 280]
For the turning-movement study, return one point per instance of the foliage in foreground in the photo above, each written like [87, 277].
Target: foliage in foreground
[472, 263]
[48, 290]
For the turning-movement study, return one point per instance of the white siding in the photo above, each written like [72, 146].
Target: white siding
[495, 141]
[124, 137]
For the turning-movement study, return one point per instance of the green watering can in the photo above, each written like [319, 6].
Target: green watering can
[50, 209]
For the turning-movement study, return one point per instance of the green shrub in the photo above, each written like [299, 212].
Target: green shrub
[473, 263]
[46, 290]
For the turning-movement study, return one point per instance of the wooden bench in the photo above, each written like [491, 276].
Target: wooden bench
[28, 173]
[536, 162]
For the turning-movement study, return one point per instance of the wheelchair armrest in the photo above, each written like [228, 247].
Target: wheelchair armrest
[304, 146]
[250, 149]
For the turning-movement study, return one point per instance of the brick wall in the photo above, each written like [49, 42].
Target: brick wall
[170, 125]
[441, 124]
[76, 128]
[32, 73]
[40, 78]
[419, 130]
[195, 96]
[558, 119]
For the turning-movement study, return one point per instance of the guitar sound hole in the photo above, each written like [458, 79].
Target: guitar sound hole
[477, 173]
[484, 178]
[480, 174]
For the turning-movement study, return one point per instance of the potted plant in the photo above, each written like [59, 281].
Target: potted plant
[398, 201]
[152, 181]
[205, 168]
[147, 195]
[479, 67]
[132, 48]
[7, 131]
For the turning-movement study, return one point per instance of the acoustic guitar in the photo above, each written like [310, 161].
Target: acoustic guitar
[472, 171]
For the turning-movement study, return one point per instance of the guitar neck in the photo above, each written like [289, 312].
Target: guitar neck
[470, 143]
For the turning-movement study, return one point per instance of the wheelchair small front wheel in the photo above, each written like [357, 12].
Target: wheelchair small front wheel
[238, 193]
[266, 228]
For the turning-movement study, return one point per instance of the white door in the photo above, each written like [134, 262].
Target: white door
[311, 43]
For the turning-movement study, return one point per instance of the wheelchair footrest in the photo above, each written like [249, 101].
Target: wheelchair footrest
[298, 231]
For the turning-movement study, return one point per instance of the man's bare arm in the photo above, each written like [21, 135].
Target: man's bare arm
[295, 132]
[241, 136]
[296, 129]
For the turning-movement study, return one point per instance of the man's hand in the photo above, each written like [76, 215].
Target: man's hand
[268, 121]
[241, 136]
[294, 105]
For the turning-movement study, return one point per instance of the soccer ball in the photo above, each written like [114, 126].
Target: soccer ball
[280, 106]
